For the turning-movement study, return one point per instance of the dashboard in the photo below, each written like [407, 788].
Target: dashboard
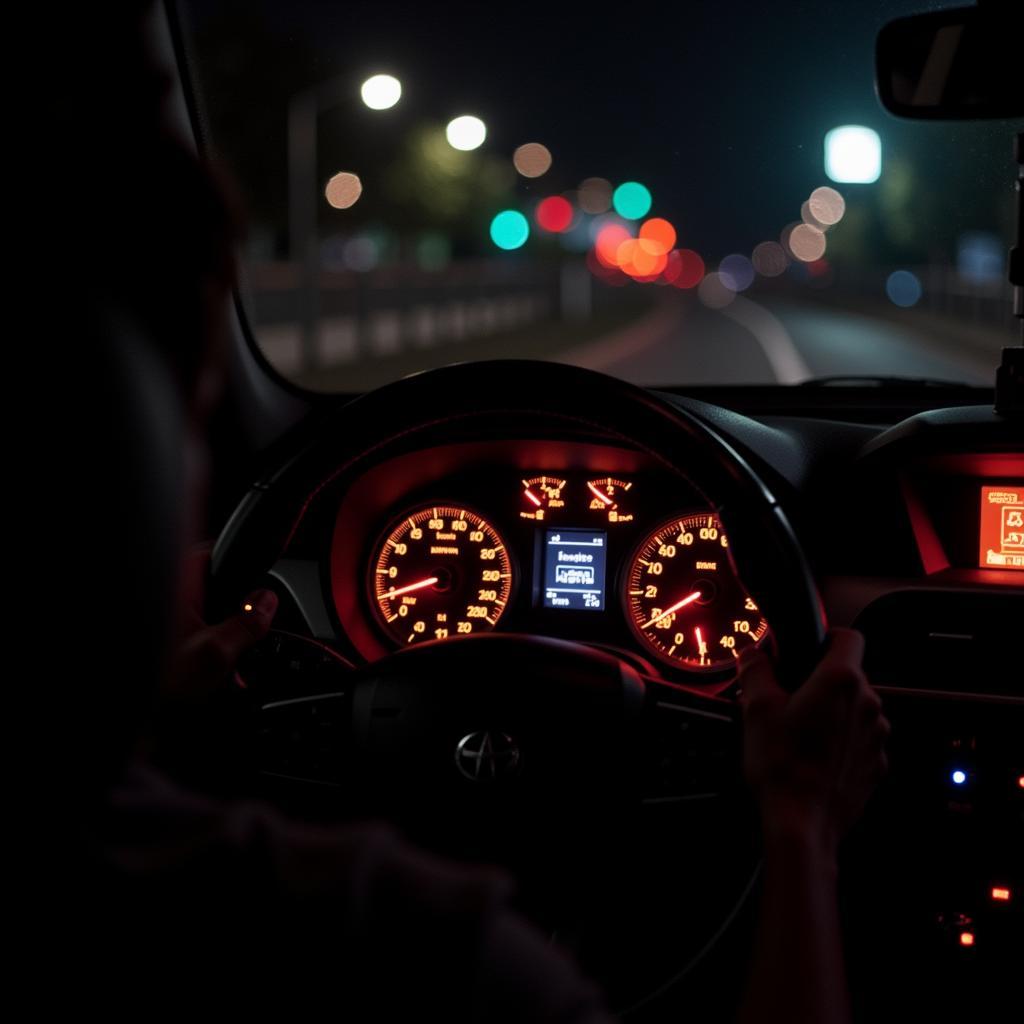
[520, 523]
[910, 531]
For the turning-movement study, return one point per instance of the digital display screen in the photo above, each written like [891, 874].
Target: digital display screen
[574, 569]
[1001, 541]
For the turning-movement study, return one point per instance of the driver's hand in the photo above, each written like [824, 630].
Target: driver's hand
[194, 732]
[813, 757]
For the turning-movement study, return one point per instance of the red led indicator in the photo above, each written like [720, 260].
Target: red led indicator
[967, 938]
[1001, 541]
[1001, 894]
[1020, 781]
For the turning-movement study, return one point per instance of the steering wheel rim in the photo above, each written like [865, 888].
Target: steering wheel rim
[774, 570]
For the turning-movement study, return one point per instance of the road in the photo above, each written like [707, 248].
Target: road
[785, 340]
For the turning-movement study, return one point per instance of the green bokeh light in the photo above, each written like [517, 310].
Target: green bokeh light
[631, 200]
[510, 229]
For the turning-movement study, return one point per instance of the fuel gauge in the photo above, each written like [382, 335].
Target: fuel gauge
[542, 495]
[607, 495]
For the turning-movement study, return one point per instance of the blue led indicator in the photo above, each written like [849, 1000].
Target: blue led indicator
[959, 777]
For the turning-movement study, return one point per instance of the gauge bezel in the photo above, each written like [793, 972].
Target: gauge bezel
[708, 674]
[375, 549]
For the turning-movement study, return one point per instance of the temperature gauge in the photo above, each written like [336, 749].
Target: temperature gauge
[542, 495]
[606, 496]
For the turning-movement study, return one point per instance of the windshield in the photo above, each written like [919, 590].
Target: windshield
[674, 194]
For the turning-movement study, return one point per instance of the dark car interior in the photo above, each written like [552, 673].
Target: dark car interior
[583, 732]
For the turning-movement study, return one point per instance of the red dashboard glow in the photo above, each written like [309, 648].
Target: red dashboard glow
[1001, 533]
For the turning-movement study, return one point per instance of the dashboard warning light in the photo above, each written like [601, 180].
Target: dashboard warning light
[967, 938]
[1000, 893]
[959, 777]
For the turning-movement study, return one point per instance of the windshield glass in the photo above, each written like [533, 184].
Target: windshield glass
[674, 194]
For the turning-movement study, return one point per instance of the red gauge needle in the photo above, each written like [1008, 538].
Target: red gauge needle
[412, 586]
[598, 494]
[689, 599]
[702, 648]
[533, 497]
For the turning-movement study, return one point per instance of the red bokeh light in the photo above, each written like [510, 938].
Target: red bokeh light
[554, 214]
[609, 239]
[684, 268]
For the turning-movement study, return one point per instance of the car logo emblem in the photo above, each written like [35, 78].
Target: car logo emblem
[486, 756]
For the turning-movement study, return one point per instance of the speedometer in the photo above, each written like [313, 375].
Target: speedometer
[440, 572]
[683, 599]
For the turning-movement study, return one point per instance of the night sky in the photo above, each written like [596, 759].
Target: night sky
[719, 108]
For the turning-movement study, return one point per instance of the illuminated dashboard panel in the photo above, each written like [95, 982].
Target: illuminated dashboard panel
[1001, 528]
[564, 524]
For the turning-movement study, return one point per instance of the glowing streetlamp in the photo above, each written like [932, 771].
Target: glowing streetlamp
[853, 154]
[466, 133]
[381, 92]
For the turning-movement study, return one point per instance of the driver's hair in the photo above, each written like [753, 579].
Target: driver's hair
[156, 223]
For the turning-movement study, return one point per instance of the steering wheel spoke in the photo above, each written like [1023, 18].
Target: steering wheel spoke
[691, 745]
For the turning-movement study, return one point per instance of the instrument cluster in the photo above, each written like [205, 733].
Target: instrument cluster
[602, 546]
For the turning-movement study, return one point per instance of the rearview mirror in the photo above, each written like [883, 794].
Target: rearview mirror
[956, 64]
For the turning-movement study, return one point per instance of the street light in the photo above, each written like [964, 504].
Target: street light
[466, 133]
[853, 154]
[380, 92]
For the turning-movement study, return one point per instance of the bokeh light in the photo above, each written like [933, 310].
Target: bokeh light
[657, 236]
[736, 272]
[714, 292]
[554, 214]
[595, 195]
[631, 200]
[343, 190]
[826, 205]
[433, 251]
[806, 243]
[980, 258]
[637, 261]
[853, 153]
[532, 160]
[606, 246]
[466, 133]
[807, 216]
[510, 229]
[381, 92]
[769, 259]
[361, 253]
[684, 268]
[903, 288]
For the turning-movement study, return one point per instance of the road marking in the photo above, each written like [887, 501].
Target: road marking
[778, 347]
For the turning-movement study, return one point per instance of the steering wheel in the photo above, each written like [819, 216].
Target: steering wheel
[522, 748]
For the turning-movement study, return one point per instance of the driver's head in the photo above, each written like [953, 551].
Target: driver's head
[138, 241]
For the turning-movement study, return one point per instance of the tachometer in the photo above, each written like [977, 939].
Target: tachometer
[441, 572]
[683, 599]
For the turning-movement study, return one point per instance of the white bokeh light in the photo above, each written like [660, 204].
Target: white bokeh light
[381, 92]
[466, 132]
[853, 153]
